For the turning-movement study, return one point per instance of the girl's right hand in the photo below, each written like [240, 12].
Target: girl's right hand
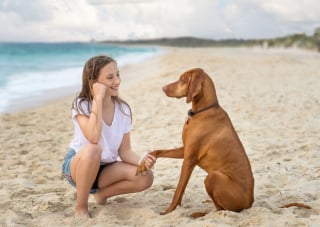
[149, 160]
[99, 90]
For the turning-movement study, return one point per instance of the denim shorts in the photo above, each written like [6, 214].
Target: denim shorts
[67, 174]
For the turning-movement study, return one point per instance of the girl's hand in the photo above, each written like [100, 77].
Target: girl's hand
[149, 160]
[99, 90]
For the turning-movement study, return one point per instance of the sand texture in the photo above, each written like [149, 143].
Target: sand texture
[272, 98]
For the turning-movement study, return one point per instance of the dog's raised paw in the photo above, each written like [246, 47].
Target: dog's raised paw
[141, 173]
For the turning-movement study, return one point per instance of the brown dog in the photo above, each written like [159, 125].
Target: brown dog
[211, 142]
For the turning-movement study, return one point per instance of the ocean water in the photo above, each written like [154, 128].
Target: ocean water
[31, 70]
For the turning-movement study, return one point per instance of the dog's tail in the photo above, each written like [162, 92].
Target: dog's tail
[296, 205]
[197, 214]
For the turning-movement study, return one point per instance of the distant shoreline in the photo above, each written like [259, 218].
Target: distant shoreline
[70, 92]
[296, 40]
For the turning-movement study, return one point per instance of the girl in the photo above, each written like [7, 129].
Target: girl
[102, 123]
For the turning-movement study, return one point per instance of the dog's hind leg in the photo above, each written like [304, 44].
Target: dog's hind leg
[226, 194]
[209, 182]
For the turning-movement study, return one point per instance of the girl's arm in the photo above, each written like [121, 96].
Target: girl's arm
[91, 126]
[127, 155]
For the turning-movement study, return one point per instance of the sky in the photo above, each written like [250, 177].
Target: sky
[85, 20]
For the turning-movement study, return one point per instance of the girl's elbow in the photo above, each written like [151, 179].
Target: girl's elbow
[93, 139]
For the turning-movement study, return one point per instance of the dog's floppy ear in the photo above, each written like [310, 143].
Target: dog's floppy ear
[195, 81]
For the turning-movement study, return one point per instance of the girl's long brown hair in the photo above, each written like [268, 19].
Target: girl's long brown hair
[90, 74]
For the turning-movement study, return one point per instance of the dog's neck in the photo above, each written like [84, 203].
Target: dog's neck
[203, 101]
[194, 112]
[206, 99]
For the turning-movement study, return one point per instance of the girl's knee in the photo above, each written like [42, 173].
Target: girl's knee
[92, 152]
[147, 180]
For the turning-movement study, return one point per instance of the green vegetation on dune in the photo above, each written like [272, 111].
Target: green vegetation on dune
[295, 40]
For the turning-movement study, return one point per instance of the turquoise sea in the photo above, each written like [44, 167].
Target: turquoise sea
[30, 70]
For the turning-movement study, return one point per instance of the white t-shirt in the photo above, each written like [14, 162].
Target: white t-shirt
[111, 136]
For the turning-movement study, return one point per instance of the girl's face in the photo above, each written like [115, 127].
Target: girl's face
[109, 76]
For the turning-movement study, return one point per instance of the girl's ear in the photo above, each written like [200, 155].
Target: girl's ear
[195, 81]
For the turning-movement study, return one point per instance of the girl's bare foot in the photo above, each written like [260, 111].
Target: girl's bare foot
[99, 200]
[82, 213]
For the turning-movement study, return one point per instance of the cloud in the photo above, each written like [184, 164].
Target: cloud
[49, 20]
[291, 11]
[104, 2]
[71, 20]
[26, 11]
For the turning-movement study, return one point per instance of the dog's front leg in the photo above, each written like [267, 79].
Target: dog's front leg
[186, 170]
[170, 153]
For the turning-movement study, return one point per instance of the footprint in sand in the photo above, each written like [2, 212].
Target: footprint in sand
[120, 200]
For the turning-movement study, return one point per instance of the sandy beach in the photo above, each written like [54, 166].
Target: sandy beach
[272, 97]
